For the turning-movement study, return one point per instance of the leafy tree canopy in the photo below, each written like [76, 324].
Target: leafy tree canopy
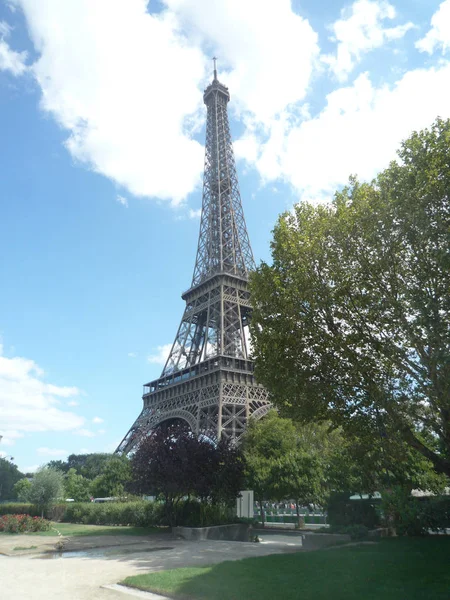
[89, 465]
[286, 460]
[76, 486]
[9, 476]
[174, 463]
[47, 486]
[113, 479]
[22, 490]
[352, 320]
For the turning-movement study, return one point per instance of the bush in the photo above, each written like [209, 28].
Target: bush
[343, 512]
[192, 513]
[139, 513]
[356, 532]
[23, 524]
[19, 508]
[414, 516]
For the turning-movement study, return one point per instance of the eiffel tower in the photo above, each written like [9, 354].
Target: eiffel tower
[208, 378]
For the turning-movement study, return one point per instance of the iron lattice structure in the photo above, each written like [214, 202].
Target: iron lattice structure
[208, 378]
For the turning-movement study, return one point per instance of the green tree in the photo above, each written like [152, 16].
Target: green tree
[265, 444]
[76, 486]
[89, 465]
[286, 460]
[47, 486]
[116, 473]
[9, 476]
[22, 489]
[352, 320]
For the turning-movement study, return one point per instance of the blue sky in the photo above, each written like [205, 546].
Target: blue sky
[102, 124]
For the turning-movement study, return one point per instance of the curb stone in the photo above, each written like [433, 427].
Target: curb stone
[124, 589]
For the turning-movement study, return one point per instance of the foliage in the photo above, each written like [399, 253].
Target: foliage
[23, 524]
[391, 570]
[113, 479]
[22, 489]
[264, 444]
[76, 486]
[343, 512]
[19, 508]
[88, 465]
[173, 463]
[141, 513]
[352, 320]
[46, 487]
[192, 513]
[291, 461]
[9, 476]
[409, 515]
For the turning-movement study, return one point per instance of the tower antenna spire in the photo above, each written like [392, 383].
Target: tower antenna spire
[215, 68]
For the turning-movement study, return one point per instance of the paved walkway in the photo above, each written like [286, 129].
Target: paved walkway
[30, 576]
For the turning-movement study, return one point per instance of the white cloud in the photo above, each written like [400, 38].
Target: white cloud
[131, 114]
[31, 469]
[9, 438]
[439, 34]
[101, 431]
[84, 432]
[358, 131]
[128, 119]
[10, 60]
[160, 357]
[360, 30]
[97, 420]
[73, 403]
[29, 404]
[269, 51]
[195, 213]
[132, 354]
[122, 82]
[122, 200]
[51, 452]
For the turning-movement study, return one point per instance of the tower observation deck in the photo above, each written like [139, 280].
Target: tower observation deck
[208, 378]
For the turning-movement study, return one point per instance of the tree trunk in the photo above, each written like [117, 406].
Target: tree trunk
[300, 520]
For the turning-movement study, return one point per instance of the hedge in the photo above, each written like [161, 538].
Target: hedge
[19, 508]
[140, 513]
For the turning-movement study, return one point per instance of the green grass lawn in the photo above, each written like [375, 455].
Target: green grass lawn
[75, 529]
[393, 569]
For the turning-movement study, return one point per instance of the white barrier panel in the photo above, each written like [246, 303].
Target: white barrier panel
[244, 504]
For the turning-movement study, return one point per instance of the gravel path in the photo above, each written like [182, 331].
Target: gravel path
[31, 577]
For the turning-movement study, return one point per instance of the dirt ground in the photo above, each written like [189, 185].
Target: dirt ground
[88, 563]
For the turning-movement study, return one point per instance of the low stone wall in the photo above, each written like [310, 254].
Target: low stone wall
[238, 532]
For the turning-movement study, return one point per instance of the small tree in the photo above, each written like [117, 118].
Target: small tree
[174, 463]
[22, 489]
[287, 460]
[163, 465]
[47, 486]
[228, 478]
[76, 486]
[265, 445]
[115, 476]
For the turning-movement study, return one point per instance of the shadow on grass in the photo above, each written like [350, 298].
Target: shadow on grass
[394, 569]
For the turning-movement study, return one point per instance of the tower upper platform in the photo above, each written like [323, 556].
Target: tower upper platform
[216, 87]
